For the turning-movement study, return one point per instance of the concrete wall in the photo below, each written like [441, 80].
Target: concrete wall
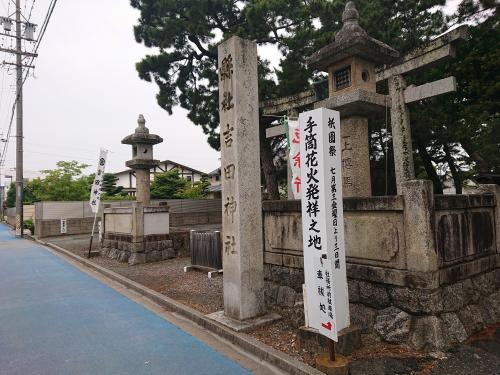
[183, 213]
[28, 212]
[70, 209]
[58, 210]
[52, 228]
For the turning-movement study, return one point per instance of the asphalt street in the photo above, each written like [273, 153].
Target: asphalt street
[56, 319]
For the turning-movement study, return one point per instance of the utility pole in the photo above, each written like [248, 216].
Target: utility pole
[29, 29]
[19, 125]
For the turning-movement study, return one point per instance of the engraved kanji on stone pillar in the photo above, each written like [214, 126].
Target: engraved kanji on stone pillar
[241, 194]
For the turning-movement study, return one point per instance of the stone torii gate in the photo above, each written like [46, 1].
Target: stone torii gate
[400, 95]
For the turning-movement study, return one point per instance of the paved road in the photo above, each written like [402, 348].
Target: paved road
[55, 319]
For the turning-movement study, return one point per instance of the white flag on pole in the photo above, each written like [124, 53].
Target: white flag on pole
[95, 193]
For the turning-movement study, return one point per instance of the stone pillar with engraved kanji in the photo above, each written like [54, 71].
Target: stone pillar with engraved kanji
[241, 188]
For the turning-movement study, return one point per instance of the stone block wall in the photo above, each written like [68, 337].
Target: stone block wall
[426, 318]
[152, 248]
[433, 305]
[52, 228]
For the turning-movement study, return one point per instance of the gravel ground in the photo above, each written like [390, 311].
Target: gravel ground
[192, 288]
[281, 336]
[480, 356]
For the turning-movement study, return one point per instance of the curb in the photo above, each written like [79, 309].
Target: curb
[260, 350]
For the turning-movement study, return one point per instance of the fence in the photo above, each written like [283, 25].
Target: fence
[81, 209]
[28, 213]
[183, 212]
[206, 249]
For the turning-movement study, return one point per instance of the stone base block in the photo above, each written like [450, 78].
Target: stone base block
[153, 248]
[338, 367]
[243, 325]
[311, 340]
[210, 271]
[137, 258]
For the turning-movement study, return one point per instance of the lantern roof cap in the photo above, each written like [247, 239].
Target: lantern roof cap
[141, 134]
[352, 40]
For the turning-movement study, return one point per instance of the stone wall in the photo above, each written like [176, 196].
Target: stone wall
[151, 248]
[434, 308]
[52, 228]
[465, 227]
[374, 233]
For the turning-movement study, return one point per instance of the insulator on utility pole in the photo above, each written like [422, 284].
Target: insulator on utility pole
[29, 31]
[7, 24]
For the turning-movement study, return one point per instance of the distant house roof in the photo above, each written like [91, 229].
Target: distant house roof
[124, 171]
[182, 166]
[178, 165]
[215, 172]
[215, 188]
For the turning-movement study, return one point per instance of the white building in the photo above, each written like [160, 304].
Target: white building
[215, 189]
[126, 178]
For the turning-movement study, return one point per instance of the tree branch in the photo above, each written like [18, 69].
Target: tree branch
[202, 49]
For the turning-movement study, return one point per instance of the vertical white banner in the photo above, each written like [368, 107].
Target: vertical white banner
[294, 156]
[95, 193]
[323, 222]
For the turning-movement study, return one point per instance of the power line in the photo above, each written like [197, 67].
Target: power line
[35, 50]
[31, 10]
[29, 29]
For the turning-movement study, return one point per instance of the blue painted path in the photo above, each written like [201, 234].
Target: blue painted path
[55, 319]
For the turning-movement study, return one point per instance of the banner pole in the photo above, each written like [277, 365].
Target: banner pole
[92, 235]
[332, 350]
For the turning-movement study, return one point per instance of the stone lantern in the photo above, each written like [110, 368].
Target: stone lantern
[138, 233]
[142, 158]
[350, 61]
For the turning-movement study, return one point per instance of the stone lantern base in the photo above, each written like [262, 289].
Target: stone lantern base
[137, 234]
[153, 248]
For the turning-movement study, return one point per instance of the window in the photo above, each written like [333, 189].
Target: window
[342, 78]
[188, 178]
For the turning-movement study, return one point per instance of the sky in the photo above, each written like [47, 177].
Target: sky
[86, 94]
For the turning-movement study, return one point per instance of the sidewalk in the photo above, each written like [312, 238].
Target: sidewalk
[56, 319]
